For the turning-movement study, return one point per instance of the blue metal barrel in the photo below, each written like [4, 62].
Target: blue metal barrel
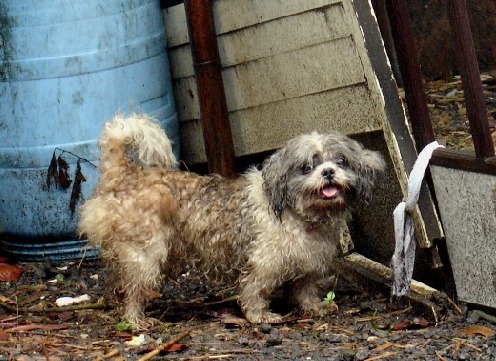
[66, 67]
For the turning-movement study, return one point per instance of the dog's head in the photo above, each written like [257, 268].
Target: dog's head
[317, 174]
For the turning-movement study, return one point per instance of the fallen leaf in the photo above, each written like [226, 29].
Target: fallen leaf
[383, 356]
[344, 330]
[456, 348]
[444, 118]
[352, 311]
[9, 272]
[24, 358]
[6, 300]
[323, 327]
[401, 326]
[62, 316]
[64, 177]
[29, 299]
[176, 347]
[76, 187]
[285, 330]
[4, 336]
[477, 330]
[380, 325]
[123, 335]
[384, 346]
[30, 327]
[421, 322]
[416, 324]
[52, 172]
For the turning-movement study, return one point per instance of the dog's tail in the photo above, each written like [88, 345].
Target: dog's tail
[137, 140]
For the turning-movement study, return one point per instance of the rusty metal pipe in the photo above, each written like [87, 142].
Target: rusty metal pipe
[214, 114]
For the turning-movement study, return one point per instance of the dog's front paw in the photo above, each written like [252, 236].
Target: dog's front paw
[319, 309]
[332, 307]
[142, 323]
[263, 317]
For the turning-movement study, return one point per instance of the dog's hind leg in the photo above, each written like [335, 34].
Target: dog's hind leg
[139, 273]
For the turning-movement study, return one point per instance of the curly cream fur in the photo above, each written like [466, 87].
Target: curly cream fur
[266, 228]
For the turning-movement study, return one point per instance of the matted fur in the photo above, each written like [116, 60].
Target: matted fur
[269, 227]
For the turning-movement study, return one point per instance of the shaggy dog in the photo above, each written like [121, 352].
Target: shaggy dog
[280, 225]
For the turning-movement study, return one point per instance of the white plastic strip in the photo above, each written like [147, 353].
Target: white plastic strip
[404, 254]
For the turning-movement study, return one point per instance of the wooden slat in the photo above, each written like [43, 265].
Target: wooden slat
[264, 40]
[268, 126]
[283, 76]
[472, 86]
[456, 159]
[410, 70]
[231, 15]
[467, 207]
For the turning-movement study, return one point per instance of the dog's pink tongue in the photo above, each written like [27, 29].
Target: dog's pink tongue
[330, 191]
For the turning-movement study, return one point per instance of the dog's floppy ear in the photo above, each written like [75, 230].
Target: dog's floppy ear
[274, 174]
[369, 164]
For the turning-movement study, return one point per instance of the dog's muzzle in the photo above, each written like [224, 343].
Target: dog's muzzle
[328, 174]
[330, 190]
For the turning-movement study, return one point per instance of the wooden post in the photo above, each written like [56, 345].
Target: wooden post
[385, 29]
[410, 70]
[469, 71]
[404, 41]
[214, 115]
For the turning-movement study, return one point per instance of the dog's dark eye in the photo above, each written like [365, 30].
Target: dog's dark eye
[317, 160]
[341, 161]
[306, 168]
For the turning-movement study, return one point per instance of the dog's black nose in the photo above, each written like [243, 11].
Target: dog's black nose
[328, 173]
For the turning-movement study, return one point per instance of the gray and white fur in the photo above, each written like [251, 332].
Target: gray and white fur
[271, 227]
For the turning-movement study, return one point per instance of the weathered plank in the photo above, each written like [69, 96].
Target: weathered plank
[269, 39]
[254, 128]
[284, 76]
[467, 202]
[232, 15]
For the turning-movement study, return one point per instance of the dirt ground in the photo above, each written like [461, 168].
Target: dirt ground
[200, 320]
[446, 102]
